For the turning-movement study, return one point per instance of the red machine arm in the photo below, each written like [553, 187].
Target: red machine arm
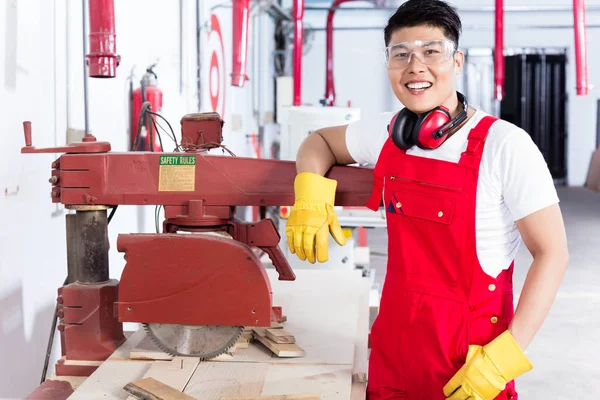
[175, 179]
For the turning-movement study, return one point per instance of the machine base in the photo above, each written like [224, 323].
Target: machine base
[88, 326]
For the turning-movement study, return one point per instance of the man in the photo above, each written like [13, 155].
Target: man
[461, 190]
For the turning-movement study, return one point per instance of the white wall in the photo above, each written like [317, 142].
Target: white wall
[359, 51]
[41, 79]
[32, 256]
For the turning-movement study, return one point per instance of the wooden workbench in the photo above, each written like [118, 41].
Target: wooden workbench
[327, 311]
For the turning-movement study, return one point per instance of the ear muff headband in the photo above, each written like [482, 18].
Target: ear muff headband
[459, 119]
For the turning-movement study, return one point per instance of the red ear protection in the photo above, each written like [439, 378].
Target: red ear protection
[427, 131]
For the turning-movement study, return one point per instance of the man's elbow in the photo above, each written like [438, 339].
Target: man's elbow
[557, 256]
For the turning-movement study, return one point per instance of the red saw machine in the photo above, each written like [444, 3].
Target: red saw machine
[197, 284]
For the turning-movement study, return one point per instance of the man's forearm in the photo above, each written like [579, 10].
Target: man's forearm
[538, 294]
[314, 155]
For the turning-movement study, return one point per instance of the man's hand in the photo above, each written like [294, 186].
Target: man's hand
[488, 369]
[312, 218]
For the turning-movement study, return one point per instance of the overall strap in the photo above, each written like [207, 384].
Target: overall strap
[471, 157]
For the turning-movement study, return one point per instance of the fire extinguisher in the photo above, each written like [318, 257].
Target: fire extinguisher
[147, 92]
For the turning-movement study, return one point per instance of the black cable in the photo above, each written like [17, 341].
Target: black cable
[169, 135]
[145, 107]
[158, 134]
[164, 119]
[51, 338]
[151, 133]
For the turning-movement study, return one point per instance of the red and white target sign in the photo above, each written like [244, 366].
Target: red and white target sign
[216, 70]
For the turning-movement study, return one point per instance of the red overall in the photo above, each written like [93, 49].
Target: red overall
[436, 299]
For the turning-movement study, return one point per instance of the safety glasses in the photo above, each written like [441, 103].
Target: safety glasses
[429, 52]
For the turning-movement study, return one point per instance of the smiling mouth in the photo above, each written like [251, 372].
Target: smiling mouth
[418, 86]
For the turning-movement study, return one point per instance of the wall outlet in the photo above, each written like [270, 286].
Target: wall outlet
[74, 135]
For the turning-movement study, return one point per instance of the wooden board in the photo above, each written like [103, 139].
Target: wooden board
[279, 349]
[324, 310]
[151, 389]
[280, 336]
[175, 373]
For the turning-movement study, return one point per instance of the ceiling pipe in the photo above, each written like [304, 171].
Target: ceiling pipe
[580, 47]
[476, 9]
[329, 85]
[102, 59]
[240, 17]
[298, 15]
[499, 51]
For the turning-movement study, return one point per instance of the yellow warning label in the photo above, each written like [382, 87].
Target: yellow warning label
[177, 174]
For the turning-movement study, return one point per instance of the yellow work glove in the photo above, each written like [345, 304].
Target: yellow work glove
[312, 218]
[488, 369]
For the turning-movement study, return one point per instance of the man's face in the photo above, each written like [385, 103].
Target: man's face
[421, 86]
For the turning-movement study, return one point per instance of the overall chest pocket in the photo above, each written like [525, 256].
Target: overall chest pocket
[421, 200]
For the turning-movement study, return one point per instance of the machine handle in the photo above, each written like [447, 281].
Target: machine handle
[27, 130]
[264, 235]
[88, 145]
[280, 263]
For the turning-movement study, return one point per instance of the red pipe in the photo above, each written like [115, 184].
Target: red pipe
[240, 42]
[329, 87]
[580, 47]
[298, 15]
[499, 51]
[103, 59]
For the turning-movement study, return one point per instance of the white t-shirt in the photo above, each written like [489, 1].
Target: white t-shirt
[514, 179]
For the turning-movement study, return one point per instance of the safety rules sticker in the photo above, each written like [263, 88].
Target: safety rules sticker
[177, 174]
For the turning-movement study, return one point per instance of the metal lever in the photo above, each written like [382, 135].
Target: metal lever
[27, 130]
[89, 144]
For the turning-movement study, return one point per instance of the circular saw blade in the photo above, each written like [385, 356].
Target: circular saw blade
[203, 341]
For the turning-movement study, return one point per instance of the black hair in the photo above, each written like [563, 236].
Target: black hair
[434, 13]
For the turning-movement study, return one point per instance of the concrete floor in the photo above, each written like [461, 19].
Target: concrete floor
[566, 350]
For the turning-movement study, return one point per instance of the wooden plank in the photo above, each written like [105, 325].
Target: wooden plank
[280, 350]
[213, 380]
[254, 353]
[175, 373]
[151, 389]
[280, 336]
